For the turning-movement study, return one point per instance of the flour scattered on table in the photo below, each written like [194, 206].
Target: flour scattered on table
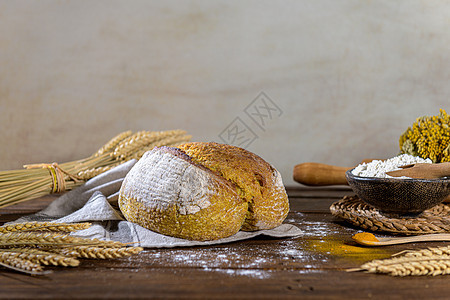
[255, 261]
[378, 168]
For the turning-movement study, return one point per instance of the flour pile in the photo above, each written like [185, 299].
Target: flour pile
[378, 168]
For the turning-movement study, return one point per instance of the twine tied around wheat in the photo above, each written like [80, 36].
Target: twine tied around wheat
[57, 174]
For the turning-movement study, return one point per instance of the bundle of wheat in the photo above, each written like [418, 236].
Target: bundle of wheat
[26, 247]
[42, 179]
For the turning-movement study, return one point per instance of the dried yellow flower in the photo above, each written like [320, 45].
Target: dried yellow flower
[429, 137]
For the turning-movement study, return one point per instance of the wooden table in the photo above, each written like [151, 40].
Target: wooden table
[312, 266]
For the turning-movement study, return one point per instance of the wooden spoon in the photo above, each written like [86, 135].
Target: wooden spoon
[423, 171]
[369, 239]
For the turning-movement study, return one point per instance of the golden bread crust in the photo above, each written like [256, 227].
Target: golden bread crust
[257, 182]
[207, 224]
[203, 191]
[168, 193]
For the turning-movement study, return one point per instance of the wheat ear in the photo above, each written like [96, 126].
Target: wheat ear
[113, 142]
[426, 252]
[36, 239]
[25, 247]
[99, 252]
[172, 141]
[142, 139]
[40, 257]
[410, 266]
[90, 173]
[21, 265]
[430, 261]
[43, 226]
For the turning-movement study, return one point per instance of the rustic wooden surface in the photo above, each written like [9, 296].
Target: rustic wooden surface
[309, 267]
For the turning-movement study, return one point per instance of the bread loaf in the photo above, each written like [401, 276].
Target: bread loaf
[203, 191]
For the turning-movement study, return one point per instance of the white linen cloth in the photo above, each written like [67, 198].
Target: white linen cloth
[89, 203]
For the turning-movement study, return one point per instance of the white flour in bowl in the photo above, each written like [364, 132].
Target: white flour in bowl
[378, 168]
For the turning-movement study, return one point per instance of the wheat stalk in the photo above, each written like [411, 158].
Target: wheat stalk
[43, 226]
[21, 265]
[113, 142]
[22, 239]
[43, 179]
[40, 257]
[101, 243]
[430, 261]
[140, 140]
[410, 266]
[426, 252]
[87, 174]
[26, 247]
[99, 252]
[171, 141]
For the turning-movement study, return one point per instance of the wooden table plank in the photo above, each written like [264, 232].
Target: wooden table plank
[311, 266]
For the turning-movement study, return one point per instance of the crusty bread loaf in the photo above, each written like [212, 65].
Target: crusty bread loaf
[203, 191]
[257, 182]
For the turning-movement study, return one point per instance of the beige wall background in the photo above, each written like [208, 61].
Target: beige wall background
[348, 76]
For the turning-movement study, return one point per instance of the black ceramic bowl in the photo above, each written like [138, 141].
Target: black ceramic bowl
[399, 196]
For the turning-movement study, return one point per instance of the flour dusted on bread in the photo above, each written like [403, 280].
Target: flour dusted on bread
[183, 181]
[203, 191]
[256, 181]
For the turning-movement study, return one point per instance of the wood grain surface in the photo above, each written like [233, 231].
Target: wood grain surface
[309, 267]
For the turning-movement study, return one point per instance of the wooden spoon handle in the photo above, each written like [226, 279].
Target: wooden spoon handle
[423, 170]
[317, 174]
[369, 239]
[435, 237]
[441, 169]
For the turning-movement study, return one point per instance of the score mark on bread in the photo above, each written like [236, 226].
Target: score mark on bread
[203, 191]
